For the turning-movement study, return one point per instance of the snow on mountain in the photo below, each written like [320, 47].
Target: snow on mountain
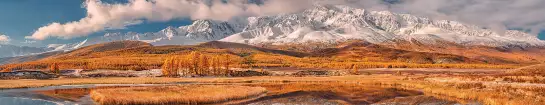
[325, 24]
[199, 31]
[66, 47]
[334, 23]
[322, 23]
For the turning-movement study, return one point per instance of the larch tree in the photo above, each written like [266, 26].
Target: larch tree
[195, 60]
[204, 64]
[355, 69]
[54, 68]
[7, 69]
[166, 67]
[226, 64]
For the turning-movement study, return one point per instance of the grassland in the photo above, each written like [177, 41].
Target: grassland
[489, 88]
[7, 84]
[183, 94]
[369, 89]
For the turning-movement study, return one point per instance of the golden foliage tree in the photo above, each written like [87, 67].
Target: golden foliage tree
[7, 69]
[195, 58]
[204, 65]
[54, 68]
[197, 64]
[170, 67]
[227, 61]
[355, 69]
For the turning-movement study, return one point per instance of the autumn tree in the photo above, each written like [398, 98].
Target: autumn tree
[54, 68]
[166, 67]
[215, 65]
[7, 69]
[184, 65]
[226, 64]
[355, 69]
[195, 60]
[204, 64]
[170, 67]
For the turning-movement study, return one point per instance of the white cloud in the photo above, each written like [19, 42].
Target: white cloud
[497, 14]
[4, 39]
[102, 16]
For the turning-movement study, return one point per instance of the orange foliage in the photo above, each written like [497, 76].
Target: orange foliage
[197, 63]
[218, 59]
[54, 68]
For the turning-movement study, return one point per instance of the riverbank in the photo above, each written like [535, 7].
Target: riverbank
[10, 84]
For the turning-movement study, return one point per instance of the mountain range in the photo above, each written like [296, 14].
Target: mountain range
[330, 24]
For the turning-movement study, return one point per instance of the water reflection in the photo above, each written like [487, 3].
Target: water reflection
[25, 101]
[58, 95]
[279, 93]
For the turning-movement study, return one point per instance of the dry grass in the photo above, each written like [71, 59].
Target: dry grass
[6, 84]
[184, 94]
[534, 70]
[488, 95]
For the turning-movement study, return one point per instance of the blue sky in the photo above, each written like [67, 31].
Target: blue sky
[21, 18]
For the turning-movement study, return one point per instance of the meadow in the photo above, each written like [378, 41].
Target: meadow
[182, 94]
[380, 87]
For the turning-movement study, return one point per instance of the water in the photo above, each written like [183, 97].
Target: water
[79, 95]
[31, 96]
[26, 101]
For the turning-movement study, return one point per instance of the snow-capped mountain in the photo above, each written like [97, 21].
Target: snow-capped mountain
[199, 31]
[325, 24]
[12, 50]
[333, 23]
[66, 47]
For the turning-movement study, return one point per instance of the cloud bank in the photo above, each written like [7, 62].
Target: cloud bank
[102, 16]
[495, 14]
[4, 39]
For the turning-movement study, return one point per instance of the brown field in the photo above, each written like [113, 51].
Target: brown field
[183, 94]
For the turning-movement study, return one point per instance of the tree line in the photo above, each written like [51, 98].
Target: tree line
[198, 64]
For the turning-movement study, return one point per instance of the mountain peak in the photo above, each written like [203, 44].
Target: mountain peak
[333, 23]
[330, 23]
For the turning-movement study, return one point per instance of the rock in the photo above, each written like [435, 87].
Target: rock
[26, 75]
[319, 73]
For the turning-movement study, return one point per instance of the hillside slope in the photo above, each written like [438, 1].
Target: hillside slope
[134, 55]
[373, 52]
[110, 46]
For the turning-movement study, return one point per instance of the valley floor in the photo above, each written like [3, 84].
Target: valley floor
[485, 86]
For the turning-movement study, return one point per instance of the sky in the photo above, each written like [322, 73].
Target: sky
[42, 22]
[23, 17]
